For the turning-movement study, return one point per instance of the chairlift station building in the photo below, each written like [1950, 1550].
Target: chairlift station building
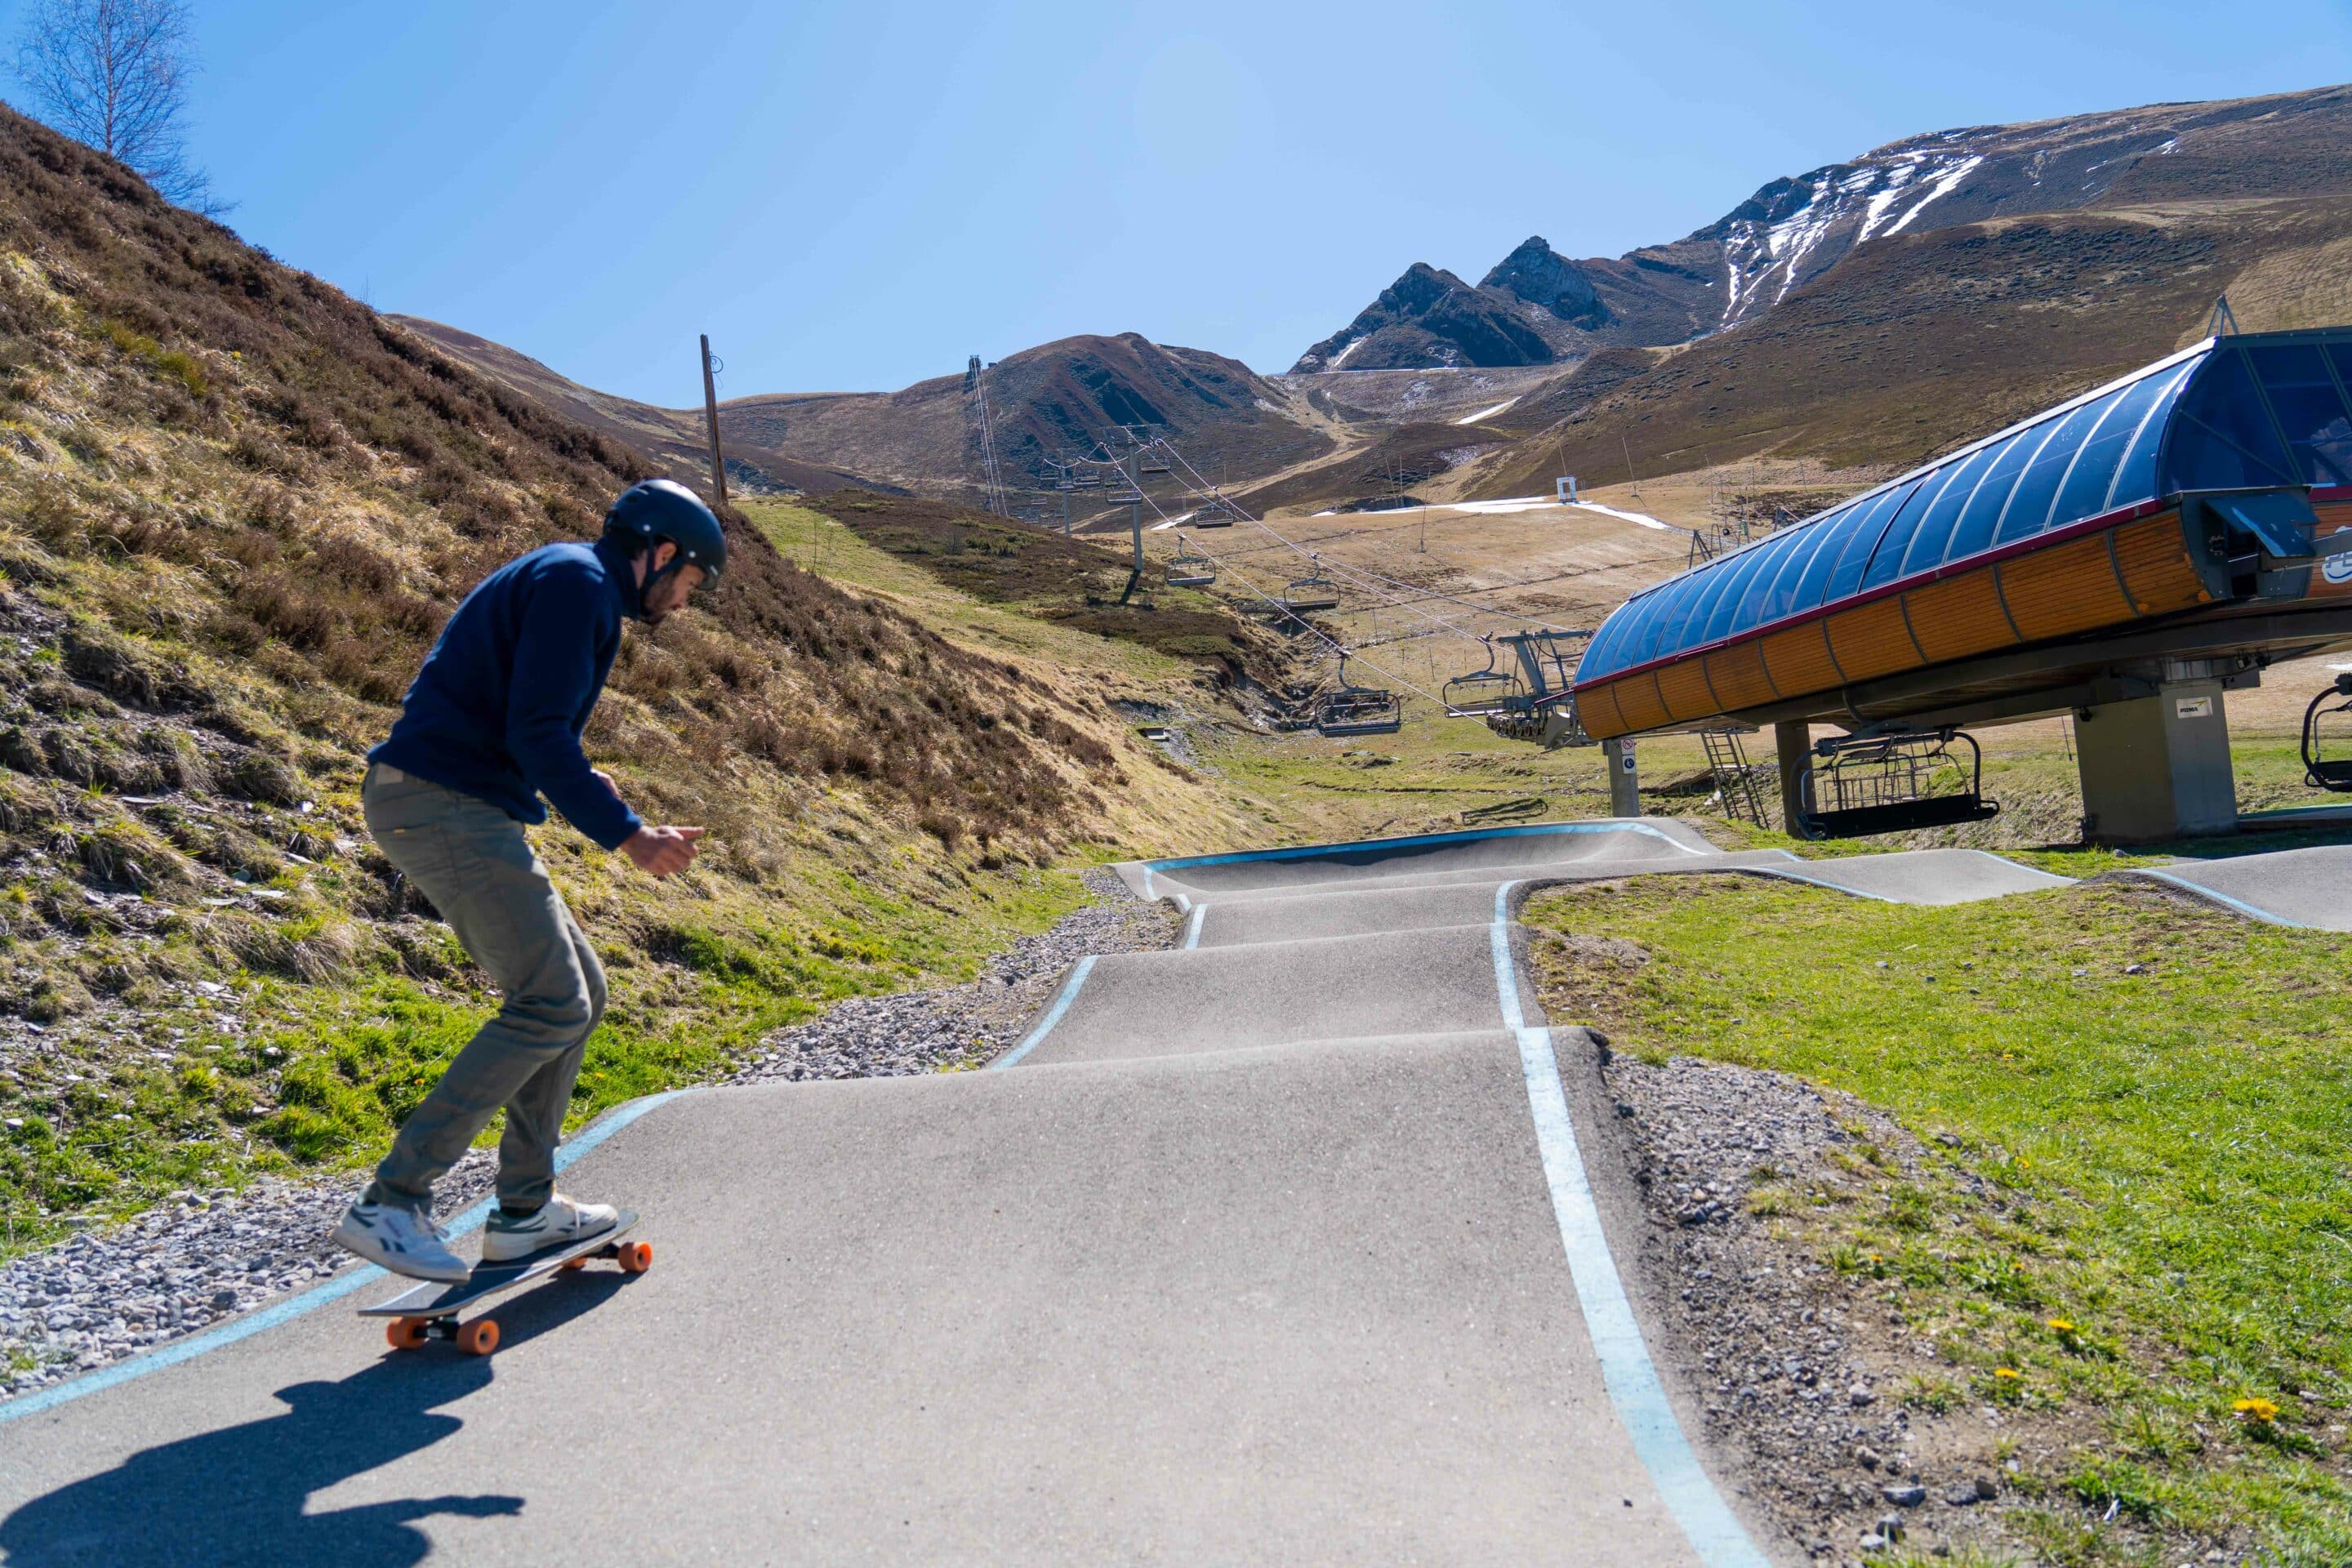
[2130, 556]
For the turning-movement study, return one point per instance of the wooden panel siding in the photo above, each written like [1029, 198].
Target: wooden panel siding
[1737, 675]
[1684, 686]
[2067, 588]
[1871, 640]
[1958, 618]
[1597, 709]
[1637, 700]
[2158, 567]
[1798, 660]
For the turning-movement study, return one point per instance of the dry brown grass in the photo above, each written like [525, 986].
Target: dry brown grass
[257, 501]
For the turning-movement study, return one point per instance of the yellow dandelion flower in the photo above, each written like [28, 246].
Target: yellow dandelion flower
[2061, 1326]
[2261, 1412]
[2006, 1372]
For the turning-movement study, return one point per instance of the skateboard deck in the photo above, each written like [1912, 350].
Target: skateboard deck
[430, 1311]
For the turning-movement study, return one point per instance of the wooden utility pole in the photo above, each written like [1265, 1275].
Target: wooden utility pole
[710, 419]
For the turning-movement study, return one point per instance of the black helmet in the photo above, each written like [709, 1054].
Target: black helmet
[651, 510]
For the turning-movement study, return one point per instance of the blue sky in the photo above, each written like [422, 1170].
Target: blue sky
[851, 196]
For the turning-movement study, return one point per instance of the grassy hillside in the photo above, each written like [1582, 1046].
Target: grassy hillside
[234, 508]
[1076, 581]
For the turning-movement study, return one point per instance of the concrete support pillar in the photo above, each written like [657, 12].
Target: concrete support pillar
[2158, 767]
[1624, 780]
[1795, 740]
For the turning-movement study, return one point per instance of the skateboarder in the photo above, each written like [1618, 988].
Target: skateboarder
[491, 724]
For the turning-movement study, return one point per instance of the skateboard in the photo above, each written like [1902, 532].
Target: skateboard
[430, 1311]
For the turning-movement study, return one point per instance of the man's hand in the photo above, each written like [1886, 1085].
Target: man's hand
[661, 851]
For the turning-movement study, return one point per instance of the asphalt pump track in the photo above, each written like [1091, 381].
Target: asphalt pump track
[1274, 1246]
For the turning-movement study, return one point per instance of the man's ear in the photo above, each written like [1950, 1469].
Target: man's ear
[663, 553]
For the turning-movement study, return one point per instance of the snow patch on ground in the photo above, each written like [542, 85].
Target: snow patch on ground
[1487, 412]
[1644, 519]
[1341, 357]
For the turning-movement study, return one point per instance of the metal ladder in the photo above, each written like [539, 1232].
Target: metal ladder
[1738, 784]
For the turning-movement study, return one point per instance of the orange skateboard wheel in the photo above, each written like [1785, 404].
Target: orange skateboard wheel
[636, 1256]
[571, 1264]
[479, 1337]
[405, 1333]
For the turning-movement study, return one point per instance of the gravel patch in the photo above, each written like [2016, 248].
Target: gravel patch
[1797, 1370]
[100, 1297]
[962, 1026]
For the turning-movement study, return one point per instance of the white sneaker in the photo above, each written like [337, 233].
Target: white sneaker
[560, 1223]
[397, 1237]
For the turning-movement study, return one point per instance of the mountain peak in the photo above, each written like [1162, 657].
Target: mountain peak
[1540, 277]
[1429, 316]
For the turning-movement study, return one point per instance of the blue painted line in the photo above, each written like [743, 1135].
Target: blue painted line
[309, 1300]
[1638, 1397]
[2202, 892]
[1193, 932]
[1036, 1036]
[1367, 846]
[1507, 977]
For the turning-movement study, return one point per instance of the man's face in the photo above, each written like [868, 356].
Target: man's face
[672, 591]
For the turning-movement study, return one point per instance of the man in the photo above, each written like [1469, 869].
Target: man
[491, 724]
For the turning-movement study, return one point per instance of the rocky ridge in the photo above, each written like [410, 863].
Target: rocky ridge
[1796, 227]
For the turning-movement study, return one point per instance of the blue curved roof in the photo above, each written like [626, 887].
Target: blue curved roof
[2228, 414]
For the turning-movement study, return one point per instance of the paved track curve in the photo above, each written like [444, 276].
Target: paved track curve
[2283, 887]
[1276, 1248]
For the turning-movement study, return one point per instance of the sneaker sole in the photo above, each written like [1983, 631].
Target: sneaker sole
[492, 1253]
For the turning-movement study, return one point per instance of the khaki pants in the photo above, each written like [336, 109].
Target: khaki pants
[472, 860]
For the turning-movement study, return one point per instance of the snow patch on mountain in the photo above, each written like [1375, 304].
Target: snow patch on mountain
[1807, 222]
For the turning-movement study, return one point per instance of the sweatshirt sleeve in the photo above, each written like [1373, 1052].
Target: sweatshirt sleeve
[554, 672]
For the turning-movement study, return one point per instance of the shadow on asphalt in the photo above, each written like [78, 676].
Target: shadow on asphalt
[240, 1494]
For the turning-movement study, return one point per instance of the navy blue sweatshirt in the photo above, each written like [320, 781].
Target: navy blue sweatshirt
[498, 709]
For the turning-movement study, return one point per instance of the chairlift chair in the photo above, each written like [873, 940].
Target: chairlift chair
[1540, 705]
[1155, 468]
[1481, 692]
[1861, 784]
[1124, 498]
[2319, 770]
[1351, 709]
[1189, 569]
[1312, 592]
[1212, 515]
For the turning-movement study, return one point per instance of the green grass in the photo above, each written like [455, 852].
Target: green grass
[2155, 1159]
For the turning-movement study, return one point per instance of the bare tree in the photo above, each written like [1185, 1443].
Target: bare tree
[114, 73]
